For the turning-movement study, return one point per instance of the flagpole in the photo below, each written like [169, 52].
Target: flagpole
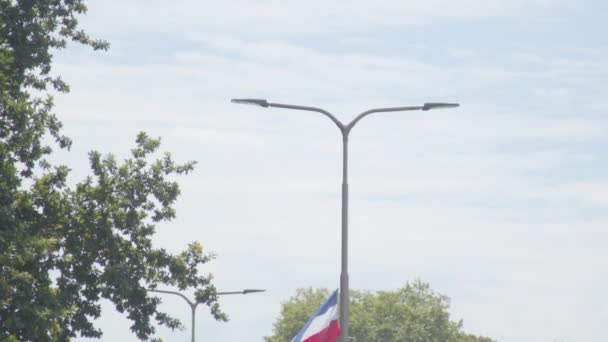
[344, 287]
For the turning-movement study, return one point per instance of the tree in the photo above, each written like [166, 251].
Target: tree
[413, 313]
[64, 248]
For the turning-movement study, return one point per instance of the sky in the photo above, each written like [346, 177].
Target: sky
[499, 204]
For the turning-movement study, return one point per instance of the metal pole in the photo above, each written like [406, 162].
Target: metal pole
[345, 129]
[193, 327]
[344, 290]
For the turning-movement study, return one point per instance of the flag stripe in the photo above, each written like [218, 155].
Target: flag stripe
[321, 322]
[331, 333]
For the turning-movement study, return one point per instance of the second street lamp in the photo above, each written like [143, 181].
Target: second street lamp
[345, 129]
[194, 304]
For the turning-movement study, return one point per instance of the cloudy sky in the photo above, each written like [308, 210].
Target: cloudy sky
[500, 204]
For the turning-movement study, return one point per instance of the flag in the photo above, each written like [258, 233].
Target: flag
[323, 325]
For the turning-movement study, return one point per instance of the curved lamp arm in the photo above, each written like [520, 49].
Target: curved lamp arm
[174, 293]
[266, 104]
[311, 109]
[380, 110]
[243, 292]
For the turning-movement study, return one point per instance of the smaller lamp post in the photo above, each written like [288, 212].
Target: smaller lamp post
[194, 304]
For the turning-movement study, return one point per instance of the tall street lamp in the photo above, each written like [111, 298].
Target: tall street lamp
[194, 304]
[345, 130]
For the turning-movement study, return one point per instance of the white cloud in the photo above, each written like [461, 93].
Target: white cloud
[594, 192]
[279, 17]
[238, 67]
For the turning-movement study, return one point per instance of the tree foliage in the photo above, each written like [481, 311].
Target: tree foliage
[413, 313]
[64, 248]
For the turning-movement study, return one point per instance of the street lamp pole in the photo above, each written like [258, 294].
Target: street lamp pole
[345, 131]
[194, 304]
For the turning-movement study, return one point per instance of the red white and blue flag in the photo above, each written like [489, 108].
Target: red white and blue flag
[323, 325]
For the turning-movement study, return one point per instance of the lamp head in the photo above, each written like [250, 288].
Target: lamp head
[432, 105]
[255, 102]
[252, 291]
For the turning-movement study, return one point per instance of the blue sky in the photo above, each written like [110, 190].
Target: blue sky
[500, 204]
